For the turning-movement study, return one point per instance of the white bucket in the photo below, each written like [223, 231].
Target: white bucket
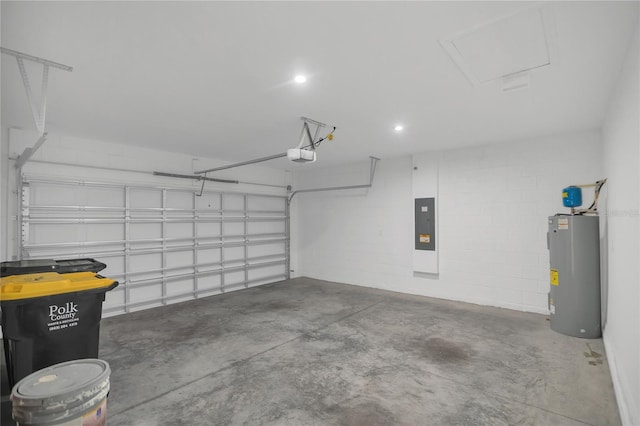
[72, 393]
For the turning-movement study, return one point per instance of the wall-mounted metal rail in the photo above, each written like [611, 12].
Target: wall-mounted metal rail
[372, 172]
[119, 169]
[243, 163]
[194, 177]
[102, 184]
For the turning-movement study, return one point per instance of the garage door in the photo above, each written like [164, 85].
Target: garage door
[163, 244]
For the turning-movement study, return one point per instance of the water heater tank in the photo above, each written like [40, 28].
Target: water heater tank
[572, 196]
[574, 254]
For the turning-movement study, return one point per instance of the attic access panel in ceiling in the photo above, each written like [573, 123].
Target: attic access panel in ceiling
[506, 46]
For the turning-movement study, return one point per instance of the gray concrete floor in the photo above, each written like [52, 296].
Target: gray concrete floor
[309, 352]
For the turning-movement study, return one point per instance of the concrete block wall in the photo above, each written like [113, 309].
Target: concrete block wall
[353, 236]
[493, 206]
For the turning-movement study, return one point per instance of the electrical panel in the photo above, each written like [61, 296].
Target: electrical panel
[425, 223]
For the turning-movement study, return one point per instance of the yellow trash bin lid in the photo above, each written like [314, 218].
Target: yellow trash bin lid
[17, 287]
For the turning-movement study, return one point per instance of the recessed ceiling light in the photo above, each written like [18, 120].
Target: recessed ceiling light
[300, 79]
[398, 127]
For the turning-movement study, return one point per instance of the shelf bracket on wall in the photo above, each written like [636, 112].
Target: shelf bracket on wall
[38, 109]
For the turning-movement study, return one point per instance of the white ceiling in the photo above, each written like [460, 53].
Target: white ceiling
[215, 78]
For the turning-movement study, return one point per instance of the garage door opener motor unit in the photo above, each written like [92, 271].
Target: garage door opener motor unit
[302, 153]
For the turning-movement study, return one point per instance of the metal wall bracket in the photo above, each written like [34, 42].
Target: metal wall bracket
[38, 109]
[29, 151]
[305, 134]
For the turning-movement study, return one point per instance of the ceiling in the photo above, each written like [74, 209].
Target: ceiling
[215, 79]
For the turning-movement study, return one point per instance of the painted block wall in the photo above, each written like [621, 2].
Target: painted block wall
[494, 203]
[621, 231]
